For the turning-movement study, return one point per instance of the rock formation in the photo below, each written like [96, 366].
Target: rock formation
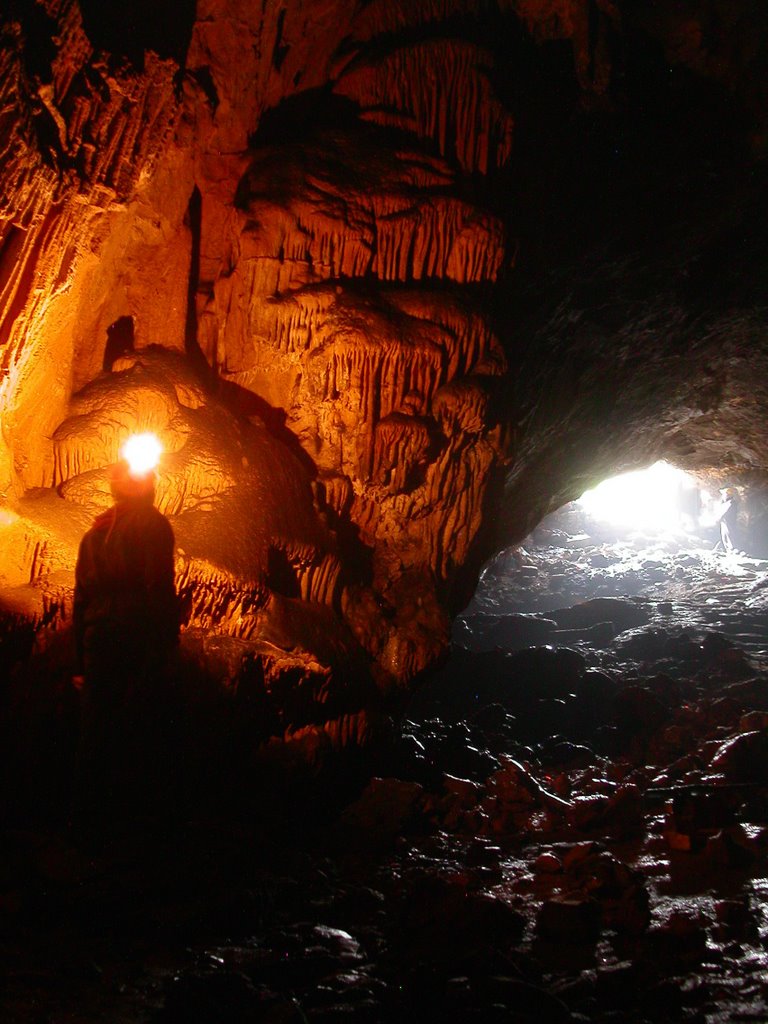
[338, 256]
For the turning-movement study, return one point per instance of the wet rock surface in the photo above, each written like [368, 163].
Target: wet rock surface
[570, 832]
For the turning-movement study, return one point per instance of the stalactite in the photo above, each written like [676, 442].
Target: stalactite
[456, 488]
[436, 522]
[382, 17]
[291, 322]
[338, 492]
[440, 84]
[439, 238]
[399, 234]
[437, 343]
[401, 443]
[318, 582]
[217, 601]
[461, 406]
[351, 730]
[464, 334]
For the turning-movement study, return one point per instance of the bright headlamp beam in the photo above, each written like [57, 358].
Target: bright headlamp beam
[142, 453]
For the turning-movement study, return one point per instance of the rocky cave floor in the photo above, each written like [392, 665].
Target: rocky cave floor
[571, 825]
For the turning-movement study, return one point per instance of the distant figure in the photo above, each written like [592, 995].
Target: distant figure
[727, 518]
[126, 624]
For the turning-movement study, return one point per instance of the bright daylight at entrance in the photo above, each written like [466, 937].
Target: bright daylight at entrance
[661, 498]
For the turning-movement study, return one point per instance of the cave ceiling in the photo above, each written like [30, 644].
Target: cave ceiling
[390, 279]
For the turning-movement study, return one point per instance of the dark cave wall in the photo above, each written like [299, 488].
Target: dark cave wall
[639, 293]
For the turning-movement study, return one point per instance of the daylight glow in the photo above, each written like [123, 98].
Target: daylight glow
[142, 453]
[653, 498]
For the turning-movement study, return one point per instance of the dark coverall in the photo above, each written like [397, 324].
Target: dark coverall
[126, 624]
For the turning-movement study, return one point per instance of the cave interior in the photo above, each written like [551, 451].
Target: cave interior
[398, 285]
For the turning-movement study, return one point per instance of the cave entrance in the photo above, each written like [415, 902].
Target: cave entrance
[639, 552]
[659, 500]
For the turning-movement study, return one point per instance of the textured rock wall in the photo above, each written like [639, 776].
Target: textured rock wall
[80, 136]
[290, 212]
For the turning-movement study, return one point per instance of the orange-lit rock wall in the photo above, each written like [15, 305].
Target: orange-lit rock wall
[84, 236]
[323, 278]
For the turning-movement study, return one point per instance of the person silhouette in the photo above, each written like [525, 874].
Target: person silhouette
[126, 626]
[728, 516]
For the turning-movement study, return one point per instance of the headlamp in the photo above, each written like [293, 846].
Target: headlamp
[142, 453]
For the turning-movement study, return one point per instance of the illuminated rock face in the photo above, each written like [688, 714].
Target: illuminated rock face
[295, 311]
[289, 243]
